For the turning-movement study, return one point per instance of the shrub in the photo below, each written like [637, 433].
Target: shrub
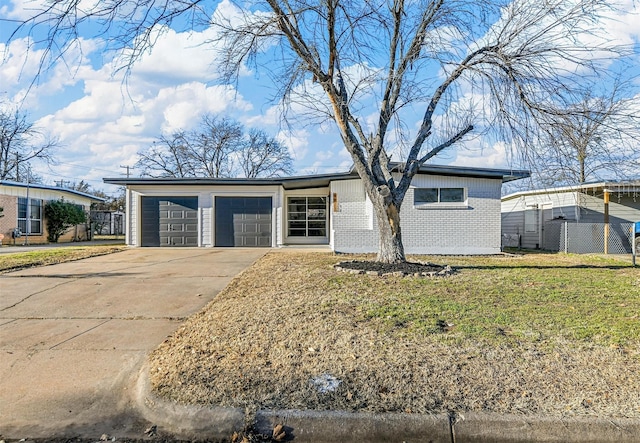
[61, 216]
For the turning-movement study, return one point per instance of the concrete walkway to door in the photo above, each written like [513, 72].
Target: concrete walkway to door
[73, 336]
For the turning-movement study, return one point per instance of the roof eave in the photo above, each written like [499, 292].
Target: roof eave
[52, 188]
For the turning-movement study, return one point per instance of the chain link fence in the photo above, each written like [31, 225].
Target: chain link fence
[584, 238]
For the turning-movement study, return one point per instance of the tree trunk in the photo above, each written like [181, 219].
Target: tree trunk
[390, 249]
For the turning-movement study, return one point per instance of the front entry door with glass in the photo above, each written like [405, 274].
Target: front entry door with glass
[307, 220]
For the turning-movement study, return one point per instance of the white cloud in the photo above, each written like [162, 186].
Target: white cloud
[297, 141]
[622, 24]
[21, 9]
[110, 129]
[178, 57]
[481, 154]
[26, 9]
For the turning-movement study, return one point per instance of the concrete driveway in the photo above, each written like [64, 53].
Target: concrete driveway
[73, 336]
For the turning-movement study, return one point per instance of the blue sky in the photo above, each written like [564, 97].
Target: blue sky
[101, 123]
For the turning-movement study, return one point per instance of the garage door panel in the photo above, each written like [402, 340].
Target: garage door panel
[243, 221]
[250, 229]
[169, 221]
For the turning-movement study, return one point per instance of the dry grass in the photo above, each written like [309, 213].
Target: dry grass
[52, 256]
[550, 334]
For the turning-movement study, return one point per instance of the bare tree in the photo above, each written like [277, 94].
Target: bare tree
[492, 66]
[19, 144]
[214, 146]
[598, 138]
[262, 156]
[217, 148]
[429, 55]
[82, 186]
[167, 157]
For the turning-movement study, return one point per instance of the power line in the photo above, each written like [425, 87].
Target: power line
[128, 168]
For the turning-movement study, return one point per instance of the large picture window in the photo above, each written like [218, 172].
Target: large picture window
[429, 196]
[307, 216]
[34, 215]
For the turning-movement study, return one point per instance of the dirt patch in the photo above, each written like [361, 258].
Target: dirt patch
[398, 269]
[290, 332]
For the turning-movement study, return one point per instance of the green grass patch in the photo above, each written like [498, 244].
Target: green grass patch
[492, 299]
[50, 256]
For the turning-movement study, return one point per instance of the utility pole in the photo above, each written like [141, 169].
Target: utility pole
[28, 221]
[17, 166]
[128, 168]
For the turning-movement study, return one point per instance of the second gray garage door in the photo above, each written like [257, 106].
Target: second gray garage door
[243, 221]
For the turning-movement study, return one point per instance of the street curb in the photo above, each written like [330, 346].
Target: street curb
[219, 423]
[361, 427]
[493, 428]
[189, 422]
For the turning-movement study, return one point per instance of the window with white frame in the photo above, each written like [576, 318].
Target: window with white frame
[439, 196]
[34, 215]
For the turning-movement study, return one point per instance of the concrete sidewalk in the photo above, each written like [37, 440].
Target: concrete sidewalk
[73, 336]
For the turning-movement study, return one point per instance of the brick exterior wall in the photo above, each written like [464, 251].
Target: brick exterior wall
[10, 220]
[9, 204]
[472, 229]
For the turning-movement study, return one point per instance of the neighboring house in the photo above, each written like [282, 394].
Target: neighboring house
[535, 219]
[13, 200]
[107, 222]
[447, 210]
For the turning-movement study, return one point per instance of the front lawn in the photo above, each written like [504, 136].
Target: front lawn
[539, 333]
[51, 256]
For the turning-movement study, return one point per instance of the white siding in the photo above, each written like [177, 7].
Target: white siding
[207, 220]
[133, 205]
[472, 227]
[622, 208]
[278, 203]
[517, 212]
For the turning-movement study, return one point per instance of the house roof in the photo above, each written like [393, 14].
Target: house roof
[611, 186]
[320, 180]
[50, 188]
[506, 175]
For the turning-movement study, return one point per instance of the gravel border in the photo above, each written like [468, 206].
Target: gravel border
[414, 269]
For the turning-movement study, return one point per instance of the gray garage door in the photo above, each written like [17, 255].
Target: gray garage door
[243, 221]
[169, 221]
